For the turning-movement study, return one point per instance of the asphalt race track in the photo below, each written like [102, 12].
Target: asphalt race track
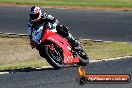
[101, 25]
[66, 77]
[104, 25]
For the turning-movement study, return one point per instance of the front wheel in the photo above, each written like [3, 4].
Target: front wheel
[53, 55]
[83, 57]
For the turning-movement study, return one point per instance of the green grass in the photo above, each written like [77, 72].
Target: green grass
[105, 50]
[16, 53]
[26, 64]
[93, 3]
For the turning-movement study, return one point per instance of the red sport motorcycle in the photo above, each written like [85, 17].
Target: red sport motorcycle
[58, 52]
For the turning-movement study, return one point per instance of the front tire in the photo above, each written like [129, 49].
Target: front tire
[53, 55]
[83, 57]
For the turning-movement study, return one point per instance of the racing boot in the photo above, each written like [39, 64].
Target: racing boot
[74, 43]
[64, 32]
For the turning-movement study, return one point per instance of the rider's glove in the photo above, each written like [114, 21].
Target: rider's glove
[33, 43]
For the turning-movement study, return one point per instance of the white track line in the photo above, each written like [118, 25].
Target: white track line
[1, 73]
[110, 59]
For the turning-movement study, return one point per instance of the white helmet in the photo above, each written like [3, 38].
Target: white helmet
[35, 13]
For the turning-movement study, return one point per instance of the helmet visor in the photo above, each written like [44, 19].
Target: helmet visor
[34, 16]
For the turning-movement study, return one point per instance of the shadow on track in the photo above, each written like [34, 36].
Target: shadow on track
[30, 69]
[27, 70]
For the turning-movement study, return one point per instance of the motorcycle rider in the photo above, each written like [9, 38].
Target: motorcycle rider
[35, 27]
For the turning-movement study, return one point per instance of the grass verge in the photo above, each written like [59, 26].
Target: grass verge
[15, 52]
[90, 3]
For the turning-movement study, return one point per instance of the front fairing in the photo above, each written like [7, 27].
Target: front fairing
[61, 43]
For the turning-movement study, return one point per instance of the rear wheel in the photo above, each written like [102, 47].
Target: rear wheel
[53, 55]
